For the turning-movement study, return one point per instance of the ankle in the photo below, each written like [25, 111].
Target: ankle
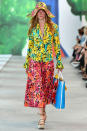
[43, 115]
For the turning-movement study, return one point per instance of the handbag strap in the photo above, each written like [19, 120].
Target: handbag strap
[60, 75]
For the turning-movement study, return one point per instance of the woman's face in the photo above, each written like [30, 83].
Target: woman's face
[41, 14]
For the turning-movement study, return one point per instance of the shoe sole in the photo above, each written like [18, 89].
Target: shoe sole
[41, 127]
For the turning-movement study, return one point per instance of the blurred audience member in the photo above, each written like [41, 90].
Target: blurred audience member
[80, 52]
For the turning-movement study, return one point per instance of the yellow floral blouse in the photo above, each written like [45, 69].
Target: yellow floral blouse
[40, 49]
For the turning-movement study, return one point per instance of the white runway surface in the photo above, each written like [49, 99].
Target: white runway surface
[15, 117]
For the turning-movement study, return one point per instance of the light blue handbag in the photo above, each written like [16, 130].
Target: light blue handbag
[60, 95]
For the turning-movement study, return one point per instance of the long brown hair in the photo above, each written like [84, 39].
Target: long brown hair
[34, 22]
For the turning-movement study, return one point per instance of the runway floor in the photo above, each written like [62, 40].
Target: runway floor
[15, 117]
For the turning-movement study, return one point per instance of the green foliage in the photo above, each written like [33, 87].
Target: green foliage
[14, 25]
[78, 7]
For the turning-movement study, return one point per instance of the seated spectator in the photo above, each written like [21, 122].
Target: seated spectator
[77, 48]
[84, 37]
[83, 52]
[82, 57]
[80, 51]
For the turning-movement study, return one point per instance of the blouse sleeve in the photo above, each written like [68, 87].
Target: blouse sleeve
[30, 46]
[56, 42]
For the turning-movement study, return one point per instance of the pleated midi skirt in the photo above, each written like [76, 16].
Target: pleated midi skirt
[39, 87]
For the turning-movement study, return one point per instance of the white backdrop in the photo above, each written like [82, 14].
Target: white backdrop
[68, 25]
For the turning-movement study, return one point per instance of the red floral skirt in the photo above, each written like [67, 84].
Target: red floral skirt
[39, 87]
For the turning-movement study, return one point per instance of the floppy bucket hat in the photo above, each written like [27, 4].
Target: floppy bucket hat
[40, 5]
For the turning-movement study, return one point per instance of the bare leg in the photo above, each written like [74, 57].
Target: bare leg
[85, 59]
[42, 113]
[41, 123]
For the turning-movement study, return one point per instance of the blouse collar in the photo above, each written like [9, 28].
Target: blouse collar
[40, 33]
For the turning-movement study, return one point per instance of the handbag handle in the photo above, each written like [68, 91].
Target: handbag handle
[60, 75]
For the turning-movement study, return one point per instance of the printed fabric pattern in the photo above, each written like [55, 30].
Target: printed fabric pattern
[40, 90]
[40, 49]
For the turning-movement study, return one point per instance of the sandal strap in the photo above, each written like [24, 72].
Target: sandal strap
[44, 114]
[41, 122]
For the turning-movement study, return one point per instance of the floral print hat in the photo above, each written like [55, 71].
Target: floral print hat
[40, 5]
